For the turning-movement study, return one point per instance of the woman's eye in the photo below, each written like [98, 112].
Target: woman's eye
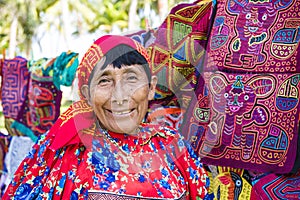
[131, 78]
[103, 81]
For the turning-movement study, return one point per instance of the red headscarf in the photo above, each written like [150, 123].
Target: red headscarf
[77, 124]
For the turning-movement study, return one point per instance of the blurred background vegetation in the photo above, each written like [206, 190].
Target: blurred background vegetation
[24, 22]
[31, 28]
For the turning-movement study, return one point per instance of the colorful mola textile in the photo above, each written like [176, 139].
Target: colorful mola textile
[255, 36]
[277, 187]
[42, 106]
[15, 75]
[176, 49]
[247, 114]
[229, 183]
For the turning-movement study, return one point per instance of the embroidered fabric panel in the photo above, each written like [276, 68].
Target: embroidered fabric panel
[230, 183]
[176, 49]
[243, 121]
[279, 187]
[109, 196]
[41, 108]
[247, 109]
[15, 77]
[255, 36]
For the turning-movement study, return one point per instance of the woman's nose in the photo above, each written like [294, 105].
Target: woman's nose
[119, 93]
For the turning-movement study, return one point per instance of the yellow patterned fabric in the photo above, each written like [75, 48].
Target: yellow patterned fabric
[230, 183]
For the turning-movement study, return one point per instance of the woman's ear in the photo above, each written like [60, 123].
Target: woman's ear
[152, 88]
[85, 92]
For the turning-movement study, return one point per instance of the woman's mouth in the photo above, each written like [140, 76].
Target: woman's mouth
[120, 113]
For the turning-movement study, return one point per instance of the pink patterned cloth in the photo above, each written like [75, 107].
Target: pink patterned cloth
[247, 109]
[277, 187]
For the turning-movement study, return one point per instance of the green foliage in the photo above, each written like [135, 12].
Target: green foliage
[27, 13]
[88, 16]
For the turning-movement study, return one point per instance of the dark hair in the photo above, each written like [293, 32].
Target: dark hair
[124, 55]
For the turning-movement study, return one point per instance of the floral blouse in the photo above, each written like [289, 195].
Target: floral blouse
[159, 164]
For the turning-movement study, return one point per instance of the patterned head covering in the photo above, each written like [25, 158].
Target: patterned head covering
[77, 124]
[100, 47]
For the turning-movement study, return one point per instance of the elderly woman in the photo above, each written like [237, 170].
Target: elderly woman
[100, 148]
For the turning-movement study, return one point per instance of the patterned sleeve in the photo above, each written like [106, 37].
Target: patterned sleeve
[190, 166]
[27, 177]
[46, 174]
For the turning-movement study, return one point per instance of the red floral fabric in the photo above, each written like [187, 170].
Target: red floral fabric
[158, 165]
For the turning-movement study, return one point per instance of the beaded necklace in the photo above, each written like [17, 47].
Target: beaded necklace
[120, 147]
[141, 133]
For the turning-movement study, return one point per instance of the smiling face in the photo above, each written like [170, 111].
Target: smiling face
[119, 96]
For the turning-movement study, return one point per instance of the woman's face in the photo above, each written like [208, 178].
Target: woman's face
[119, 97]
